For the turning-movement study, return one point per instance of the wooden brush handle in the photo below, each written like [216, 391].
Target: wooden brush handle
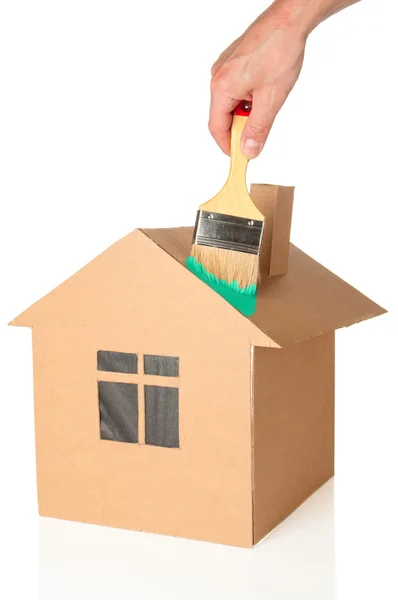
[234, 199]
[239, 162]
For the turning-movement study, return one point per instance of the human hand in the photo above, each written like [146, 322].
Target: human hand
[262, 66]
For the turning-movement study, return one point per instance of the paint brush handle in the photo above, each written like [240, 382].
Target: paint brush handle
[239, 162]
[234, 199]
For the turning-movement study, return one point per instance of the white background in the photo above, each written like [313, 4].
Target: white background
[103, 116]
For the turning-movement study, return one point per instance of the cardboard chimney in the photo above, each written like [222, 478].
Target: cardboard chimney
[159, 407]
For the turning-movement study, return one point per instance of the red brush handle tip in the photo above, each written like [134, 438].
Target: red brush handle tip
[243, 109]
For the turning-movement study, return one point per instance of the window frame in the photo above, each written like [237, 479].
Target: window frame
[143, 379]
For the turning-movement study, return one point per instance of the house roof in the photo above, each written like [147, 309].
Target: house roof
[308, 301]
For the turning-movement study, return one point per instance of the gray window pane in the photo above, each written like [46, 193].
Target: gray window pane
[117, 362]
[118, 404]
[168, 366]
[161, 416]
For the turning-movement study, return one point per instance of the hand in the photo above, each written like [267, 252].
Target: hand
[262, 66]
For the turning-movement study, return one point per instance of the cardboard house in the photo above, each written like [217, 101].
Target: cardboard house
[159, 407]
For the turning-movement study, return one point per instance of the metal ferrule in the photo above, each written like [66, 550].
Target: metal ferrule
[227, 232]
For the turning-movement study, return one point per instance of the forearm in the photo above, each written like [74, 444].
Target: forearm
[306, 14]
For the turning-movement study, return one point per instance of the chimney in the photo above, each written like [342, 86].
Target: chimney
[275, 202]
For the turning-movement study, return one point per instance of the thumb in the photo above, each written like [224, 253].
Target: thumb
[257, 128]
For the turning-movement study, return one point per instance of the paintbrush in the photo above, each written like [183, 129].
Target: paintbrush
[229, 229]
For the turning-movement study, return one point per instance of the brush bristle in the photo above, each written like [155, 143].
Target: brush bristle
[243, 299]
[228, 265]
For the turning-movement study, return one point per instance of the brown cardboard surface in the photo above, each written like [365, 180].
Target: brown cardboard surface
[281, 233]
[293, 427]
[138, 297]
[276, 204]
[307, 301]
[135, 298]
[176, 242]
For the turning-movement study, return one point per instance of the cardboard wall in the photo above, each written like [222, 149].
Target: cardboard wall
[130, 300]
[293, 427]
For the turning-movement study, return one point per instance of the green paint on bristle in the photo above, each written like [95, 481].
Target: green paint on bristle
[243, 299]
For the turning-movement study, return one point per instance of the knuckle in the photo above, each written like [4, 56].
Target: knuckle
[219, 81]
[257, 128]
[214, 69]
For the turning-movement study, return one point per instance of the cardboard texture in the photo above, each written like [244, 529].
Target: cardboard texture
[293, 425]
[308, 301]
[276, 204]
[247, 433]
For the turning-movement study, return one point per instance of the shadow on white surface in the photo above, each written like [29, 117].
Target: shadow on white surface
[296, 561]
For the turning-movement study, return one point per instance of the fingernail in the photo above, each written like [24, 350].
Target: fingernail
[252, 148]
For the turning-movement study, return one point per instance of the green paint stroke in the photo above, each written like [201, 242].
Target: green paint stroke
[243, 299]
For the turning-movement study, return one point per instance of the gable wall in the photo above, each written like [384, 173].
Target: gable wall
[201, 490]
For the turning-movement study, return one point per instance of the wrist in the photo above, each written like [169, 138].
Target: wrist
[305, 15]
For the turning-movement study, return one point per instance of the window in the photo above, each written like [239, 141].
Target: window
[161, 365]
[161, 416]
[139, 398]
[118, 411]
[117, 362]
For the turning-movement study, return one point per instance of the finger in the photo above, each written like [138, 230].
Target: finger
[259, 123]
[220, 119]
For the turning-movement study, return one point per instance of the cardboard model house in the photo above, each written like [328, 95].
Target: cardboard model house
[159, 407]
